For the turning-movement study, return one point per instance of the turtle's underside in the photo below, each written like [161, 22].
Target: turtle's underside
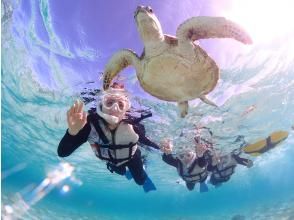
[174, 68]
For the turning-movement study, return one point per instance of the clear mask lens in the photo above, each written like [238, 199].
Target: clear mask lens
[185, 156]
[110, 102]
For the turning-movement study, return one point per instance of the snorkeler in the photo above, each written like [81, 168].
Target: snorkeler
[225, 167]
[195, 165]
[112, 138]
[220, 167]
[191, 165]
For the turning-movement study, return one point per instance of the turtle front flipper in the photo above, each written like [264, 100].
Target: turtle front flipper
[204, 27]
[118, 62]
[183, 106]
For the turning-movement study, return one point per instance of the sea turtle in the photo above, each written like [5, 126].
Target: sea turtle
[174, 68]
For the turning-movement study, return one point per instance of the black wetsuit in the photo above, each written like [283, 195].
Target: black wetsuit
[69, 144]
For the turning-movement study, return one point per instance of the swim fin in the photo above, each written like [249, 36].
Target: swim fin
[203, 187]
[128, 175]
[148, 185]
[265, 145]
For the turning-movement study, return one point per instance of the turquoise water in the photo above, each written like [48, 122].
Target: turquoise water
[42, 73]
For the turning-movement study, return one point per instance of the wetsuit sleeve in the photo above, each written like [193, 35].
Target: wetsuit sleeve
[240, 160]
[169, 159]
[70, 143]
[140, 130]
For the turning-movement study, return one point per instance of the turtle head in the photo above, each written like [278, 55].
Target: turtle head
[148, 25]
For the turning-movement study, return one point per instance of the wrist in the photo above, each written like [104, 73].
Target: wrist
[167, 152]
[71, 132]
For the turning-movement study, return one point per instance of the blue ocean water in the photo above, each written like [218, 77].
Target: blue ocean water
[44, 69]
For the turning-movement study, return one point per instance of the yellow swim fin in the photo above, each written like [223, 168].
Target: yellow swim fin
[255, 154]
[264, 145]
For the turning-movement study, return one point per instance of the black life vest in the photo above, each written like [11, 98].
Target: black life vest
[225, 168]
[195, 172]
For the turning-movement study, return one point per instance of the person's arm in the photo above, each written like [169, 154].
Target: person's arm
[77, 132]
[169, 159]
[69, 143]
[166, 147]
[140, 130]
[243, 161]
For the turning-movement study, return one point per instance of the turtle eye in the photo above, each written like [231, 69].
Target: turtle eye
[149, 9]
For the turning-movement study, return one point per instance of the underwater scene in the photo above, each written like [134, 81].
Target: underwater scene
[185, 109]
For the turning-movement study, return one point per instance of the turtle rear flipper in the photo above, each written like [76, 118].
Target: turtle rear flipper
[204, 99]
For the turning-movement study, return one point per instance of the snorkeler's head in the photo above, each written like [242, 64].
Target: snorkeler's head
[185, 155]
[114, 102]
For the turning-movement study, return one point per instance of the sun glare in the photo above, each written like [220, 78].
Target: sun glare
[264, 20]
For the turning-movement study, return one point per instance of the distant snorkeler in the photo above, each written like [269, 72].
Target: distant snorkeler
[203, 163]
[193, 165]
[196, 166]
[226, 164]
[113, 137]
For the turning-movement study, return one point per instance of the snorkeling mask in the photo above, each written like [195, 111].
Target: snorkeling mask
[115, 101]
[185, 155]
[183, 152]
[116, 97]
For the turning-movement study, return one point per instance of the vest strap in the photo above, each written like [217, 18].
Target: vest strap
[221, 172]
[94, 119]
